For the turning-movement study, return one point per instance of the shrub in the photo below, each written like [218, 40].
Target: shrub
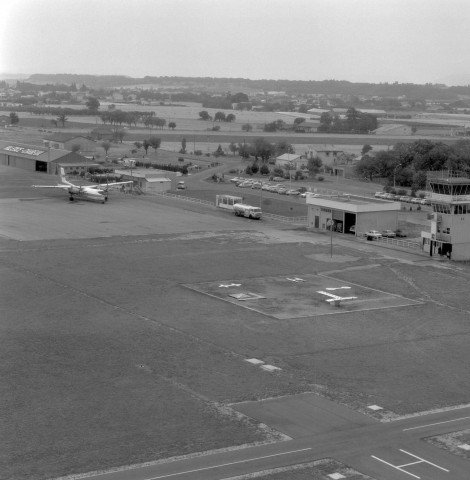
[320, 178]
[401, 191]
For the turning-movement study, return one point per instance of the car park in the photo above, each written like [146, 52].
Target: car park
[388, 233]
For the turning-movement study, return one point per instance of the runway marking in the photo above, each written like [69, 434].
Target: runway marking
[401, 467]
[230, 285]
[228, 464]
[335, 288]
[295, 279]
[437, 423]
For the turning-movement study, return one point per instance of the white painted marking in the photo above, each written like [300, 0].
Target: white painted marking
[270, 368]
[227, 285]
[225, 464]
[437, 423]
[339, 298]
[336, 476]
[425, 461]
[335, 288]
[295, 279]
[246, 296]
[393, 466]
[464, 446]
[254, 361]
[375, 407]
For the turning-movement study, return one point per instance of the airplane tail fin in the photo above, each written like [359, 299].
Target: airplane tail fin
[62, 176]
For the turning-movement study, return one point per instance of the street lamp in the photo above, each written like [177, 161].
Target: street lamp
[330, 223]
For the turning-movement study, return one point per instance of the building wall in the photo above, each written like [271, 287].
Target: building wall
[12, 161]
[365, 221]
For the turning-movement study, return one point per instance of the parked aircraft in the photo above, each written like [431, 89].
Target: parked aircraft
[97, 192]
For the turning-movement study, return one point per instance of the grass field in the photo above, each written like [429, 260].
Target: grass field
[108, 359]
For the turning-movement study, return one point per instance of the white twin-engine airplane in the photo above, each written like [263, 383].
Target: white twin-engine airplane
[98, 193]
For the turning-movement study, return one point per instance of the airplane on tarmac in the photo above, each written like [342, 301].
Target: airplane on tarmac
[97, 193]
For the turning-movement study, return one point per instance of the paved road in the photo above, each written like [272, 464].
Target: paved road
[320, 428]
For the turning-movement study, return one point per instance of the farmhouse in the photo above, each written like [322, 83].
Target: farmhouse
[346, 211]
[67, 141]
[329, 155]
[291, 160]
[41, 159]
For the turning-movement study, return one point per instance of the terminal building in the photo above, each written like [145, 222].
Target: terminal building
[450, 224]
[350, 213]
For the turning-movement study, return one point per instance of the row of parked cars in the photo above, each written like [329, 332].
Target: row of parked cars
[269, 187]
[374, 234]
[402, 198]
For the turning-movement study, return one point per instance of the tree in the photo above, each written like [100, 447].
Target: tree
[183, 145]
[367, 168]
[146, 145]
[219, 117]
[75, 147]
[299, 120]
[255, 167]
[14, 119]
[247, 127]
[54, 122]
[62, 117]
[155, 142]
[230, 117]
[303, 108]
[264, 169]
[233, 148]
[118, 134]
[204, 115]
[366, 148]
[106, 146]
[92, 104]
[283, 147]
[261, 148]
[244, 150]
[138, 145]
[219, 152]
[314, 165]
[172, 125]
[326, 120]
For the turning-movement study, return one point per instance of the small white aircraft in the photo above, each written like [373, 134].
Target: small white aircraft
[98, 193]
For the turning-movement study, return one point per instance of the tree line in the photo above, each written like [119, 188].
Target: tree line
[407, 164]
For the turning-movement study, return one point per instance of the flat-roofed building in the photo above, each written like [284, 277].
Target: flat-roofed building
[346, 211]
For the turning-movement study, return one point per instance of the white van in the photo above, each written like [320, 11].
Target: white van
[181, 186]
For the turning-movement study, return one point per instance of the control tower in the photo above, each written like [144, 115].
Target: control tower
[449, 195]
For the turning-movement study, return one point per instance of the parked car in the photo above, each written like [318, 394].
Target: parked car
[379, 194]
[352, 229]
[293, 192]
[244, 185]
[236, 179]
[388, 233]
[282, 191]
[425, 201]
[400, 233]
[415, 200]
[181, 186]
[278, 179]
[405, 198]
[373, 234]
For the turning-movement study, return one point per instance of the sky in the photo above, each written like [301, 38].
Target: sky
[416, 41]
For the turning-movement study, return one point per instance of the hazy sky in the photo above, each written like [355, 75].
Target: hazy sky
[415, 41]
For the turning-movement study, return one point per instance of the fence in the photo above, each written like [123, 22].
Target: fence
[397, 242]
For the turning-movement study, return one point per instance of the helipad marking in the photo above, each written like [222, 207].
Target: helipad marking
[227, 285]
[254, 361]
[400, 467]
[246, 296]
[295, 279]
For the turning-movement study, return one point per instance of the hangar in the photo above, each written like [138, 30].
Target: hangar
[345, 211]
[41, 159]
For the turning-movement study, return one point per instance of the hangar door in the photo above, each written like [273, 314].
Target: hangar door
[41, 166]
[349, 221]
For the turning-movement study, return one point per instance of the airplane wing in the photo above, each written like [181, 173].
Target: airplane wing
[104, 186]
[63, 187]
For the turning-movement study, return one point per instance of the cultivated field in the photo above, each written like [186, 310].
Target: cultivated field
[119, 347]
